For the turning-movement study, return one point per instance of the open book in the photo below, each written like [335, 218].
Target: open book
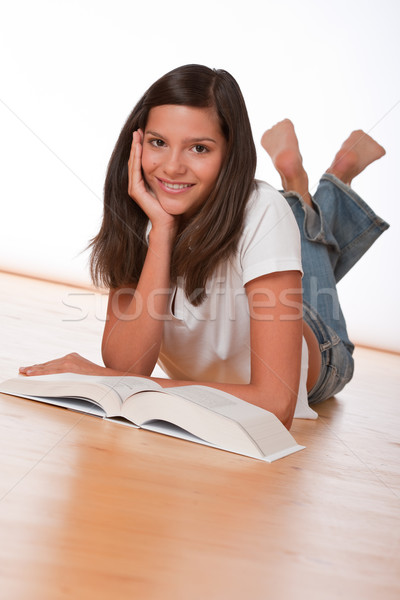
[197, 413]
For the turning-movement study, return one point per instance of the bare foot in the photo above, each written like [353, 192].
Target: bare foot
[283, 147]
[356, 153]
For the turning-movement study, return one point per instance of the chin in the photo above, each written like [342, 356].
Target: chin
[174, 212]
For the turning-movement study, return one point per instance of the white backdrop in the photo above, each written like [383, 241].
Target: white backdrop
[71, 71]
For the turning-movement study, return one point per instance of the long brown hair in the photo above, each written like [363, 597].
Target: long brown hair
[119, 249]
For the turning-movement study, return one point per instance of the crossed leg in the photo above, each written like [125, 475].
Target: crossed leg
[357, 152]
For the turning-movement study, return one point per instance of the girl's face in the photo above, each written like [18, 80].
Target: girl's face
[183, 151]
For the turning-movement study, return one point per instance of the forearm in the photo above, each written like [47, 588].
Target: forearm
[133, 334]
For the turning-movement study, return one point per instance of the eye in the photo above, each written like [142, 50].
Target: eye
[157, 143]
[200, 149]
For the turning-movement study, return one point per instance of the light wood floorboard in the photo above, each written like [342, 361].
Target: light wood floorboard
[94, 510]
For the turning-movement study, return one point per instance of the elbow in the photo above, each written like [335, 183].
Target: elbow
[108, 359]
[111, 359]
[287, 421]
[129, 366]
[283, 406]
[285, 414]
[287, 407]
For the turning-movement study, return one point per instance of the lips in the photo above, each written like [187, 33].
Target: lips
[174, 186]
[177, 186]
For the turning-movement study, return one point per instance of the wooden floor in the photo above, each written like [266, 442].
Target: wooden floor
[95, 510]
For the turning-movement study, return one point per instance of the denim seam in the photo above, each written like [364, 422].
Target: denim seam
[352, 195]
[326, 336]
[359, 238]
[320, 236]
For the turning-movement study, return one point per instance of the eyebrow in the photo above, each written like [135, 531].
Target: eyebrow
[186, 140]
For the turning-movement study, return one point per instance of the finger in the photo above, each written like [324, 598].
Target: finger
[37, 370]
[135, 140]
[43, 369]
[48, 363]
[57, 365]
[135, 164]
[137, 156]
[131, 153]
[31, 368]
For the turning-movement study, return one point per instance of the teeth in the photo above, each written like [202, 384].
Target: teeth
[176, 186]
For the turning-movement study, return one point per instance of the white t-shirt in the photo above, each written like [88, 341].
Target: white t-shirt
[211, 342]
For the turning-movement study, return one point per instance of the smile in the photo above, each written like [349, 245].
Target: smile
[175, 186]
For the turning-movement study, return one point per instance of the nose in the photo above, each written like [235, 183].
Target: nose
[174, 164]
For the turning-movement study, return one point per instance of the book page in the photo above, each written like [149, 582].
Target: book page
[205, 396]
[107, 392]
[261, 425]
[77, 404]
[127, 385]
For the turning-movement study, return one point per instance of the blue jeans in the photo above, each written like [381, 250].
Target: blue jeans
[335, 233]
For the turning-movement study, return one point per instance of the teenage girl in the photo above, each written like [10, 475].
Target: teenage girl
[219, 278]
